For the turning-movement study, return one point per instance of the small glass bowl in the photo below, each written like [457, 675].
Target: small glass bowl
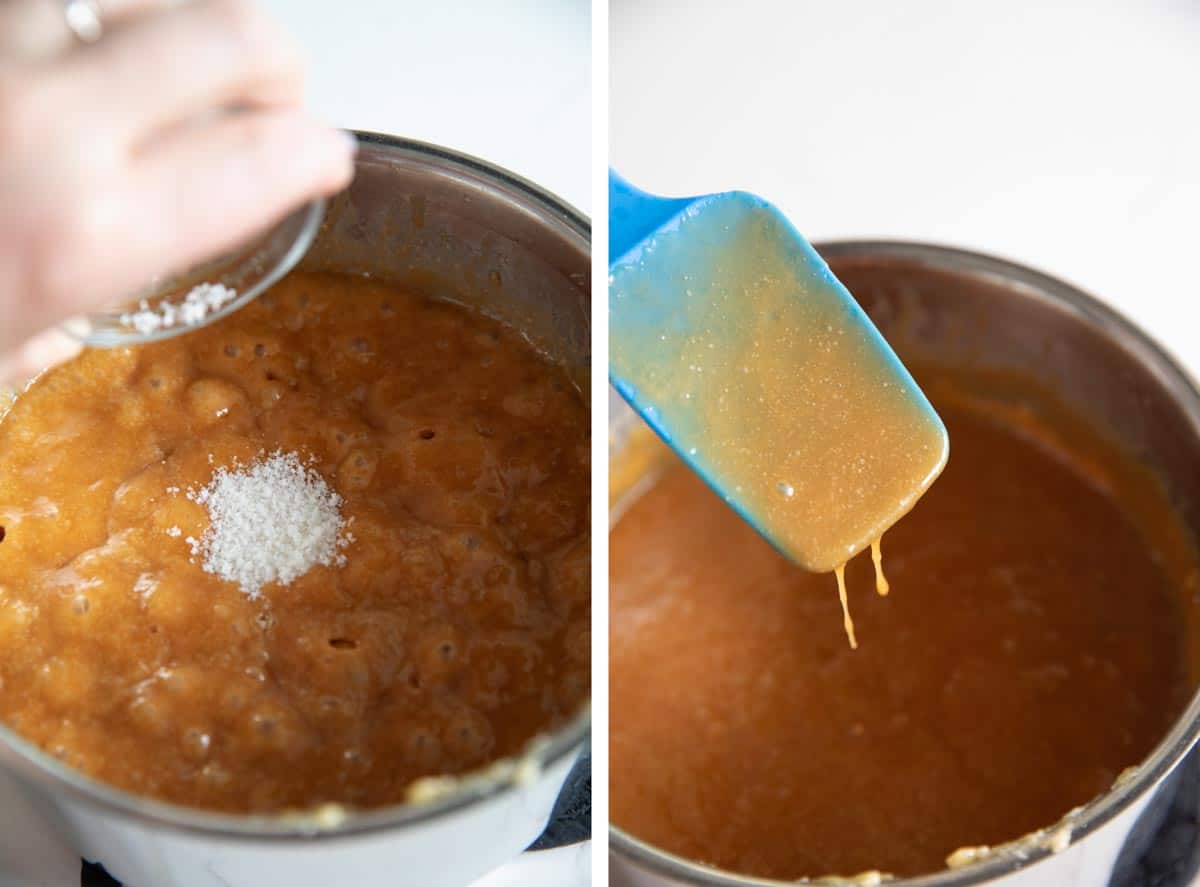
[248, 270]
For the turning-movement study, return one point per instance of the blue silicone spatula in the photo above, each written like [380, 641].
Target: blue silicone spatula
[732, 338]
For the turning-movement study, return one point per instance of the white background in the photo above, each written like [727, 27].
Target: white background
[505, 80]
[1064, 135]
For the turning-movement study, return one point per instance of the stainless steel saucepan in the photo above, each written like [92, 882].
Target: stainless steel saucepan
[459, 228]
[957, 308]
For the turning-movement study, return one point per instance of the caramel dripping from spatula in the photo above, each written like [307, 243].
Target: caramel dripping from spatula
[881, 583]
[881, 586]
[847, 622]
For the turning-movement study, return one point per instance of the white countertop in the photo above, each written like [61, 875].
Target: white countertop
[1063, 135]
[509, 82]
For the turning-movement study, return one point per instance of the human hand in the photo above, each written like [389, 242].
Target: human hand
[121, 159]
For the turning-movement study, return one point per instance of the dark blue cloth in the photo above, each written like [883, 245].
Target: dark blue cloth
[1163, 850]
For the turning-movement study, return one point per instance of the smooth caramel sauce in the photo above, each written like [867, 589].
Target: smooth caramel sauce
[457, 629]
[1037, 650]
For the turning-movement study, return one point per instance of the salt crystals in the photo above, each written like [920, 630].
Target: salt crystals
[199, 303]
[271, 521]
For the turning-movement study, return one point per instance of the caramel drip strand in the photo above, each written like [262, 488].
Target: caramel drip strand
[881, 583]
[847, 622]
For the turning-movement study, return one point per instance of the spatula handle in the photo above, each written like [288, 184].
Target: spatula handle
[634, 214]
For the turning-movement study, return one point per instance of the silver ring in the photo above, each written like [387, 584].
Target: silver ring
[83, 18]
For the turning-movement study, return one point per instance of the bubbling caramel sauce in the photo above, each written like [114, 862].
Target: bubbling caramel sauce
[1036, 651]
[450, 630]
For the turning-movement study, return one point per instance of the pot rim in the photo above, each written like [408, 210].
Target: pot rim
[519, 186]
[35, 765]
[1183, 734]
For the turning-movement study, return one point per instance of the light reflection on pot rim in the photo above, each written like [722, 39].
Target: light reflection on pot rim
[32, 764]
[1182, 389]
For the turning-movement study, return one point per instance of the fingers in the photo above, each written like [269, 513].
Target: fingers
[198, 193]
[168, 66]
[187, 142]
[205, 191]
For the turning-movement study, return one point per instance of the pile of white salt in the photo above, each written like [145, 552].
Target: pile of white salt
[271, 521]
